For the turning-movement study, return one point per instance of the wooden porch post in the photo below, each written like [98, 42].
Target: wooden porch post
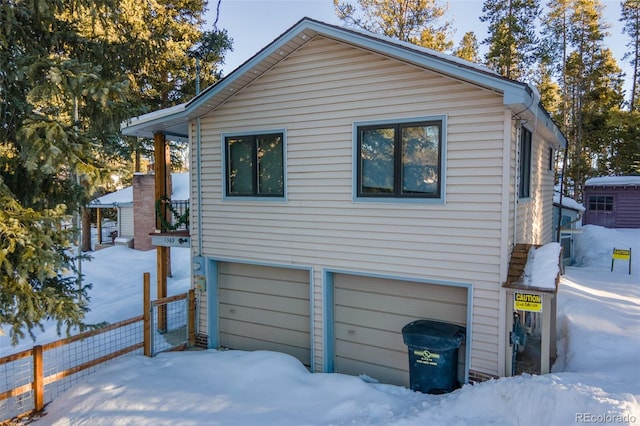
[162, 163]
[146, 294]
[99, 224]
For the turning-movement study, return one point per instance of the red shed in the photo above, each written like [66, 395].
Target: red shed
[612, 201]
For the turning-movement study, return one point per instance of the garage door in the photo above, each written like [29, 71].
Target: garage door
[369, 315]
[264, 308]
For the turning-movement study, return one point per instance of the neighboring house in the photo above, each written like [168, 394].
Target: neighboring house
[345, 184]
[136, 211]
[612, 201]
[570, 223]
[122, 201]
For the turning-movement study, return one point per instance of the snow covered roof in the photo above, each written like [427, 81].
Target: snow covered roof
[613, 181]
[124, 197]
[121, 197]
[568, 203]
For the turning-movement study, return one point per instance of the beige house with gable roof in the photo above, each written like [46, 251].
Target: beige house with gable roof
[344, 184]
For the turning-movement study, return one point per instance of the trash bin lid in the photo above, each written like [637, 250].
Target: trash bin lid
[434, 335]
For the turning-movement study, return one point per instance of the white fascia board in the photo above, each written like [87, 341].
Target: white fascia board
[154, 120]
[431, 59]
[263, 54]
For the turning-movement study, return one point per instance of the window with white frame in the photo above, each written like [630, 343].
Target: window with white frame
[400, 160]
[254, 165]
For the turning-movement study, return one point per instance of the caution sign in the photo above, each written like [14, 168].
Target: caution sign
[527, 302]
[621, 254]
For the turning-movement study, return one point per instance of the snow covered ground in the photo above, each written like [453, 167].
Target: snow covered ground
[596, 378]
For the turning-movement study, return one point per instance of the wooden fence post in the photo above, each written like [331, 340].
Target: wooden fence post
[191, 300]
[38, 379]
[147, 313]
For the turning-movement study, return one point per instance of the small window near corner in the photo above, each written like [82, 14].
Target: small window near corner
[401, 160]
[524, 187]
[254, 165]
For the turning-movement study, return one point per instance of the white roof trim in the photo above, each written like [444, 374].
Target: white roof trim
[517, 96]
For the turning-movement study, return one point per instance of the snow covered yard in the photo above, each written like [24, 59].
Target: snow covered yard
[596, 378]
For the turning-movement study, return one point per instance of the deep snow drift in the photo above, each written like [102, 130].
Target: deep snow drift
[596, 378]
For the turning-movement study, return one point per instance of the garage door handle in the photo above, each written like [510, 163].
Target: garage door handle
[351, 332]
[232, 311]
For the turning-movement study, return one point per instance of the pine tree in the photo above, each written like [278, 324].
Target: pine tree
[70, 72]
[413, 21]
[631, 19]
[468, 48]
[590, 83]
[512, 38]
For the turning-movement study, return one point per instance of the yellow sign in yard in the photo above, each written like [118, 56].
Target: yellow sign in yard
[621, 254]
[527, 302]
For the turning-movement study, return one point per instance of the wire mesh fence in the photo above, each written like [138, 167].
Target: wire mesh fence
[35, 377]
[169, 319]
[66, 363]
[16, 394]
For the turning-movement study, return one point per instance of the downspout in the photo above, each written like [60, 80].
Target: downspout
[516, 183]
[504, 351]
[198, 162]
[199, 183]
[564, 165]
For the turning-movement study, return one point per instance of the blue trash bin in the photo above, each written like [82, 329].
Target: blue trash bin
[433, 355]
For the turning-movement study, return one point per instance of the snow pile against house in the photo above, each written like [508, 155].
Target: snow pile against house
[542, 267]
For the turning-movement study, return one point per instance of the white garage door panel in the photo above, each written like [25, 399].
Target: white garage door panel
[370, 314]
[266, 333]
[285, 287]
[258, 316]
[380, 373]
[264, 301]
[264, 308]
[360, 308]
[369, 336]
[252, 344]
[382, 357]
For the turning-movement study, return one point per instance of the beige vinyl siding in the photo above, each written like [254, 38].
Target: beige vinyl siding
[535, 214]
[369, 316]
[316, 95]
[265, 308]
[126, 222]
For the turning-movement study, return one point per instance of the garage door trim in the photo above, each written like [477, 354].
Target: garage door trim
[329, 351]
[213, 318]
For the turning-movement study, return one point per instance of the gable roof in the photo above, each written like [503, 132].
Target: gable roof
[173, 122]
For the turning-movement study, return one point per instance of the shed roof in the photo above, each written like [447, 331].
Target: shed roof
[613, 181]
[173, 122]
